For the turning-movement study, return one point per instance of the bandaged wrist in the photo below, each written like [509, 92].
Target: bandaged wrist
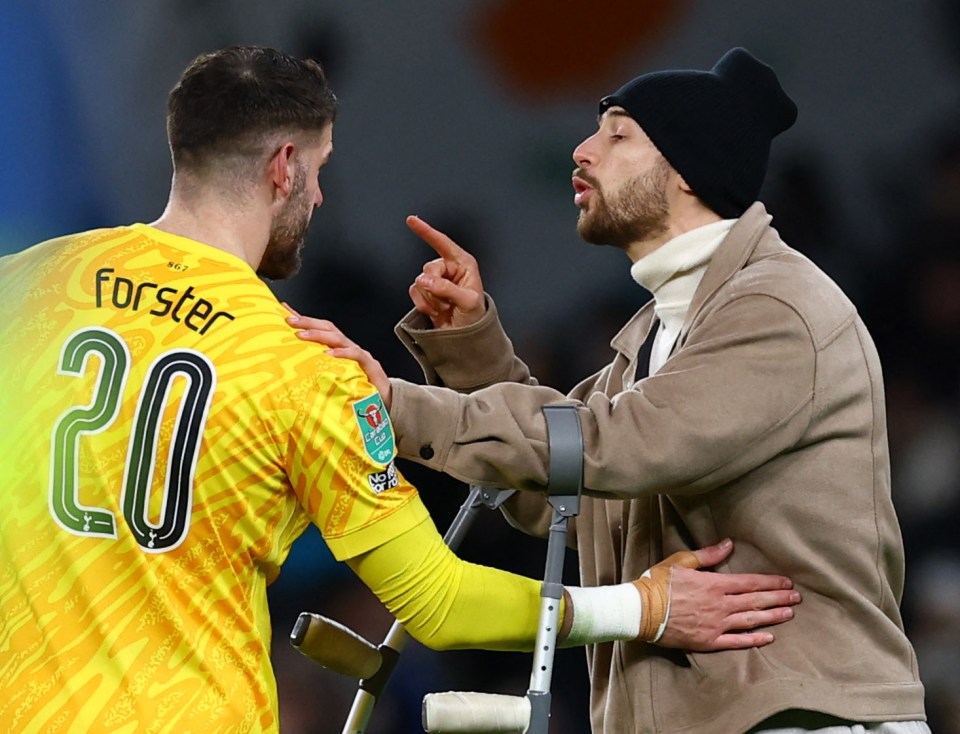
[603, 614]
[654, 587]
[655, 596]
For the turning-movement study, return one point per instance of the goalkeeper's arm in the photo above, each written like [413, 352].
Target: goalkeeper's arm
[448, 603]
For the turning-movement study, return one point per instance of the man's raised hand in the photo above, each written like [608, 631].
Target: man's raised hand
[449, 291]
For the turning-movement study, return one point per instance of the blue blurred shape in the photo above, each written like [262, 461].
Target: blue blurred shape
[45, 189]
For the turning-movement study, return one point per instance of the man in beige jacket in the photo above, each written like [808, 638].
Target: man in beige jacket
[745, 400]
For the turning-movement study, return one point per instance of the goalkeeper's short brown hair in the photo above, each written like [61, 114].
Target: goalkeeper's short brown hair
[230, 102]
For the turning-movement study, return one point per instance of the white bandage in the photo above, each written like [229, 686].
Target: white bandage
[604, 613]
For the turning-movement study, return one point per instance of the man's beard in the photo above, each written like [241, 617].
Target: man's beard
[636, 213]
[281, 259]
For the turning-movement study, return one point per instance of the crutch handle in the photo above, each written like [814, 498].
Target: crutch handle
[334, 646]
[490, 713]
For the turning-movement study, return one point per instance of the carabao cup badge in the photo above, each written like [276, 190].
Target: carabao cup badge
[375, 428]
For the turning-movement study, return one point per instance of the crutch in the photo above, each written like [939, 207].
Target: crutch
[342, 650]
[530, 714]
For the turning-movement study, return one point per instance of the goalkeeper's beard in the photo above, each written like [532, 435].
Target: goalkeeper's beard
[281, 258]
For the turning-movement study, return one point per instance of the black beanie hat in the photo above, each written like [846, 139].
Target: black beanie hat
[714, 127]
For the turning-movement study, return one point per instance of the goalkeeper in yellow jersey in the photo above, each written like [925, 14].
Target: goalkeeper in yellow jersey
[166, 437]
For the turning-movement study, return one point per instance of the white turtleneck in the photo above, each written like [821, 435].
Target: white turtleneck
[672, 273]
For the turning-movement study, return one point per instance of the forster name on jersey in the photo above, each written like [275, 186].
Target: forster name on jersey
[183, 306]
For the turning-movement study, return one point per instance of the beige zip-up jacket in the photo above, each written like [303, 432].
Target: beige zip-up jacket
[766, 424]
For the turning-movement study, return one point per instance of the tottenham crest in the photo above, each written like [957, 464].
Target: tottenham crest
[375, 428]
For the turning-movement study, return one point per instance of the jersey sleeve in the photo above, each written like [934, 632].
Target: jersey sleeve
[340, 462]
[447, 603]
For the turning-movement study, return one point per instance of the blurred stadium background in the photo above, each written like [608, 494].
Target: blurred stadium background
[466, 112]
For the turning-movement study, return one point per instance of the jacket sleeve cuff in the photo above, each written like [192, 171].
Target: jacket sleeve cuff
[466, 358]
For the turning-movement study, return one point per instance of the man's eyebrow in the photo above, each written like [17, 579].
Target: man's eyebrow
[613, 113]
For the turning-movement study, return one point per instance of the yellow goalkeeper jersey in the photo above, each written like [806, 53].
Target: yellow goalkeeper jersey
[164, 438]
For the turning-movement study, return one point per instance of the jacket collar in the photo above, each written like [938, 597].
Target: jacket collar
[732, 255]
[729, 259]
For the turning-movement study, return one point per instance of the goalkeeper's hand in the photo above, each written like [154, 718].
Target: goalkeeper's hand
[675, 605]
[704, 611]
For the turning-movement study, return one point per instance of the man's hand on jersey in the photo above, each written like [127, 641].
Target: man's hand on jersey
[449, 291]
[325, 332]
[710, 611]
